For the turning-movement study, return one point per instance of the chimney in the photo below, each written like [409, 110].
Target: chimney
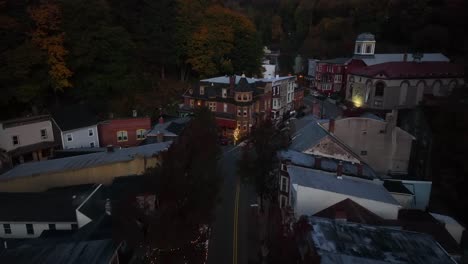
[232, 81]
[331, 126]
[359, 169]
[134, 113]
[161, 120]
[318, 163]
[339, 170]
[110, 148]
[159, 137]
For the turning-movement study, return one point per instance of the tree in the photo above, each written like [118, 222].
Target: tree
[49, 37]
[257, 165]
[186, 185]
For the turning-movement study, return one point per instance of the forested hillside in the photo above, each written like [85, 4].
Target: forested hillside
[327, 28]
[119, 55]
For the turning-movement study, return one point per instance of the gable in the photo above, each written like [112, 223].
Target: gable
[327, 147]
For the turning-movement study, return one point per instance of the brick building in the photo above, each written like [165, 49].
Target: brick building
[240, 102]
[125, 132]
[329, 75]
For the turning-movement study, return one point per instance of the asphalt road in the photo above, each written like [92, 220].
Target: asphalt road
[229, 241]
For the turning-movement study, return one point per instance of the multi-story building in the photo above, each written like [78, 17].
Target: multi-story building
[28, 139]
[124, 132]
[329, 75]
[398, 85]
[240, 102]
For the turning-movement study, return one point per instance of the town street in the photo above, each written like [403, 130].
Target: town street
[330, 110]
[229, 238]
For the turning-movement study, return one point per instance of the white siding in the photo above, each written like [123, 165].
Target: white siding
[80, 138]
[28, 134]
[18, 229]
[309, 201]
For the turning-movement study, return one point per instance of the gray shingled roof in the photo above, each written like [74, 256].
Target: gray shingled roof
[307, 136]
[346, 243]
[83, 161]
[165, 127]
[347, 186]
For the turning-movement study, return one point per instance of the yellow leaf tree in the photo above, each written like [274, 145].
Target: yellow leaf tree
[49, 37]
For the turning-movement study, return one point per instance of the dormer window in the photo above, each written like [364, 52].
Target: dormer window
[202, 90]
[239, 98]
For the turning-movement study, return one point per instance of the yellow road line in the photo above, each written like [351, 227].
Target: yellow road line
[236, 218]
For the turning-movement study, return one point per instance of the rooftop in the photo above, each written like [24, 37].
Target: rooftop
[366, 36]
[338, 242]
[83, 161]
[169, 128]
[350, 186]
[54, 205]
[353, 212]
[395, 57]
[24, 120]
[326, 164]
[405, 70]
[396, 187]
[74, 117]
[336, 61]
[307, 135]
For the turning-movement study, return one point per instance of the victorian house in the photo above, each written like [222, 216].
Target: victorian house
[240, 102]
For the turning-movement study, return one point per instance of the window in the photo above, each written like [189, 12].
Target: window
[74, 226]
[122, 136]
[91, 144]
[90, 132]
[379, 89]
[283, 201]
[202, 90]
[284, 184]
[52, 227]
[69, 137]
[225, 108]
[140, 134]
[239, 97]
[363, 152]
[244, 97]
[7, 229]
[44, 133]
[224, 93]
[30, 229]
[284, 167]
[338, 78]
[358, 48]
[15, 140]
[212, 106]
[368, 49]
[245, 111]
[239, 112]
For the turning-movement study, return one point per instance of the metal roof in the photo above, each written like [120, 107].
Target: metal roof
[83, 161]
[366, 36]
[165, 127]
[346, 243]
[307, 136]
[394, 57]
[350, 186]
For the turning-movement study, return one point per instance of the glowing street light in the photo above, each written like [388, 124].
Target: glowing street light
[236, 135]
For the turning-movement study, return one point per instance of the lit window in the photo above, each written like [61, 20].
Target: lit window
[212, 106]
[52, 227]
[69, 137]
[122, 136]
[245, 97]
[140, 134]
[245, 112]
[15, 140]
[43, 133]
[7, 229]
[29, 229]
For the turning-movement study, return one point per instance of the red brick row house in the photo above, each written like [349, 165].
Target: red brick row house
[124, 132]
[329, 76]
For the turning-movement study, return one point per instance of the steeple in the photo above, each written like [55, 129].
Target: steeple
[365, 44]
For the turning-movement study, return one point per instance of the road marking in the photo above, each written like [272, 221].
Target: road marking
[236, 218]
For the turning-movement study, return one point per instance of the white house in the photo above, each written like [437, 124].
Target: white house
[78, 127]
[27, 215]
[310, 191]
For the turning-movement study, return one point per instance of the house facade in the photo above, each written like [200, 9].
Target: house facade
[401, 85]
[329, 76]
[28, 139]
[78, 127]
[125, 132]
[239, 102]
[379, 143]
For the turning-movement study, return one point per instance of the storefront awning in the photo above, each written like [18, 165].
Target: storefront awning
[227, 123]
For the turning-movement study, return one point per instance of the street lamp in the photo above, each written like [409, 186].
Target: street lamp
[236, 135]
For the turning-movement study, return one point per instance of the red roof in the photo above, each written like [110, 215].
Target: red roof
[409, 70]
[352, 211]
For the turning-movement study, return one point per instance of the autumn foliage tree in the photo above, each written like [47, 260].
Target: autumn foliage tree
[49, 37]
